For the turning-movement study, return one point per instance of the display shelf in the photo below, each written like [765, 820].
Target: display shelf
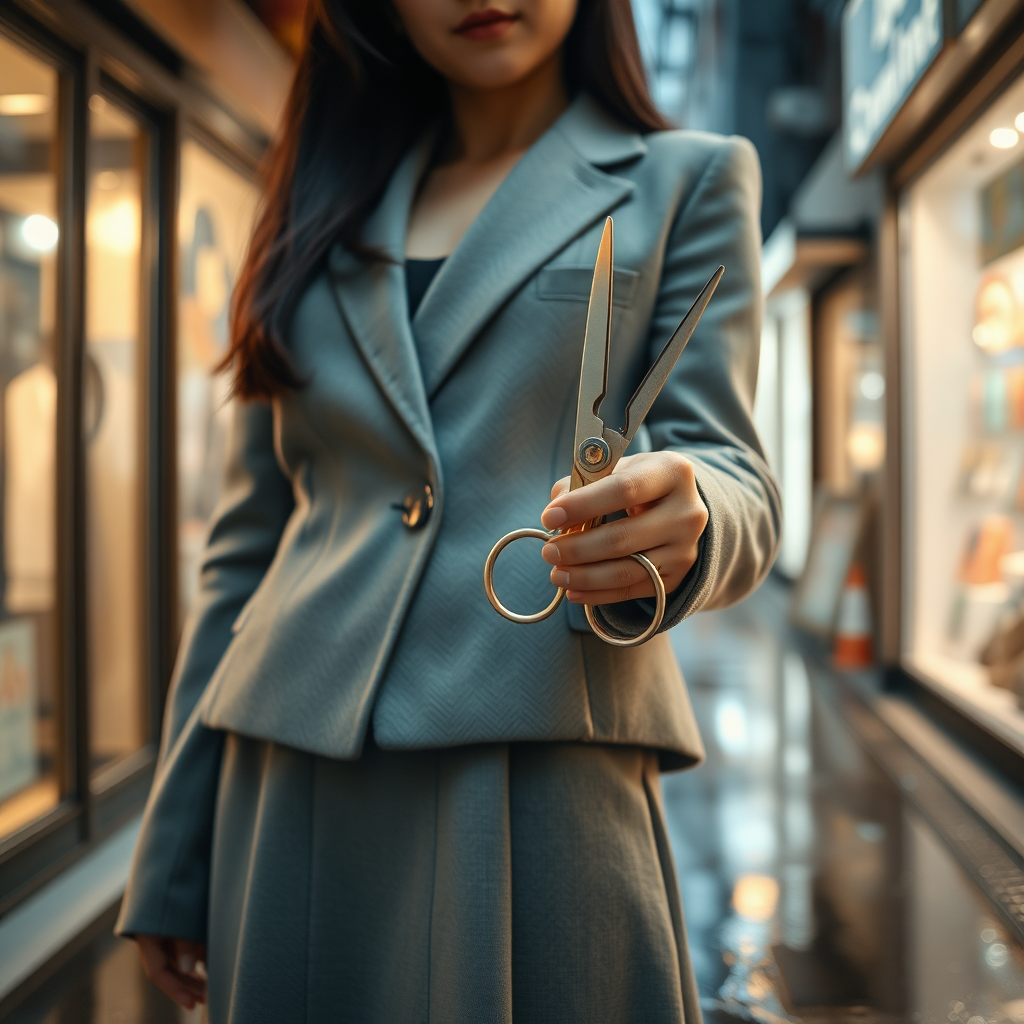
[966, 687]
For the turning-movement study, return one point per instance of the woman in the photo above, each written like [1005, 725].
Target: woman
[377, 800]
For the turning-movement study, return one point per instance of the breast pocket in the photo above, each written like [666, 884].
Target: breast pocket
[574, 283]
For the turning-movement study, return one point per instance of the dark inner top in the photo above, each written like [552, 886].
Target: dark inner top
[418, 275]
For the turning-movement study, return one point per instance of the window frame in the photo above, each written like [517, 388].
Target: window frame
[114, 789]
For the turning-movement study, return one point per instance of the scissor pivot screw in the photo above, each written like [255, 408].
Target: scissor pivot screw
[594, 454]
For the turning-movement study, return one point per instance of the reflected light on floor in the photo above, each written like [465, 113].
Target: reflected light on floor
[731, 727]
[755, 897]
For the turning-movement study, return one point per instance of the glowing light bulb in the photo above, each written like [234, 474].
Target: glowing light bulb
[872, 385]
[40, 233]
[21, 104]
[1003, 138]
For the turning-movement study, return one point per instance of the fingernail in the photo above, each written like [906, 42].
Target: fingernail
[551, 554]
[559, 577]
[186, 963]
[553, 517]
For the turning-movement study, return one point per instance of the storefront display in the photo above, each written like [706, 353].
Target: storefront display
[126, 199]
[116, 335]
[19, 763]
[215, 215]
[29, 701]
[962, 275]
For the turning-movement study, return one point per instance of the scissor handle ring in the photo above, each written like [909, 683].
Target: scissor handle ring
[489, 577]
[659, 610]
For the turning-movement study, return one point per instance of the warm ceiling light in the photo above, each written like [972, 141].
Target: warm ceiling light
[1003, 138]
[18, 104]
[1019, 122]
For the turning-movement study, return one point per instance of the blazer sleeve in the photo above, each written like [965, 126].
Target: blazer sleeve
[168, 886]
[704, 410]
[246, 527]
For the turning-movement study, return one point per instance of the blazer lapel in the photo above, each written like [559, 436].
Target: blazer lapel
[555, 192]
[373, 302]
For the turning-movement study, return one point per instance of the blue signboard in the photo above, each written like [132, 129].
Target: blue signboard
[887, 47]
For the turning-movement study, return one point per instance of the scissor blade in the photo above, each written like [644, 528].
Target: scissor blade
[594, 372]
[640, 404]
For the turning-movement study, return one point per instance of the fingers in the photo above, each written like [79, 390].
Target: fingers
[170, 965]
[666, 520]
[637, 480]
[622, 579]
[190, 966]
[657, 527]
[186, 956]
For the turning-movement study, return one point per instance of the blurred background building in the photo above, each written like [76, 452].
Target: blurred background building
[854, 848]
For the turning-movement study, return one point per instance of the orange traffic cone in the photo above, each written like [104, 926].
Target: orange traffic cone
[853, 626]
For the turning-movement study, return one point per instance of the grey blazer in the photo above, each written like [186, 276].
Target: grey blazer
[322, 614]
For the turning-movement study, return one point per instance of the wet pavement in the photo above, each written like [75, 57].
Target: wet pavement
[816, 886]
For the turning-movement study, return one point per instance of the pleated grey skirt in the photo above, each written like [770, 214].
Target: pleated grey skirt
[520, 882]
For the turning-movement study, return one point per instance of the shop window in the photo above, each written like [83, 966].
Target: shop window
[962, 243]
[782, 412]
[30, 699]
[113, 412]
[850, 385]
[216, 209]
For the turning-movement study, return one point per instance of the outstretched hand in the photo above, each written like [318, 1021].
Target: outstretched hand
[171, 964]
[666, 518]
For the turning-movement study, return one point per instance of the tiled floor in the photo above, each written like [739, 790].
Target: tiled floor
[812, 889]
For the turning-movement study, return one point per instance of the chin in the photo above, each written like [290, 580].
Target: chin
[492, 71]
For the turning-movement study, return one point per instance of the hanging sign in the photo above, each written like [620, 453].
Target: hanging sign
[887, 46]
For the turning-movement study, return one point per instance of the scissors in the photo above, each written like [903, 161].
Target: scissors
[597, 447]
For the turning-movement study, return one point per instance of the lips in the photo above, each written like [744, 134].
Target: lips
[488, 24]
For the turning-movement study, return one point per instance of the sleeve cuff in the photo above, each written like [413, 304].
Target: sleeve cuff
[168, 887]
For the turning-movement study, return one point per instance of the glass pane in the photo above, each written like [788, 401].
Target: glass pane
[215, 218]
[962, 233]
[29, 697]
[112, 413]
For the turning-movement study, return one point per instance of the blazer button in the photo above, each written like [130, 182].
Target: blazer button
[417, 507]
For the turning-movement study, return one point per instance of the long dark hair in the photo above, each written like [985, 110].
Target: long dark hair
[361, 96]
